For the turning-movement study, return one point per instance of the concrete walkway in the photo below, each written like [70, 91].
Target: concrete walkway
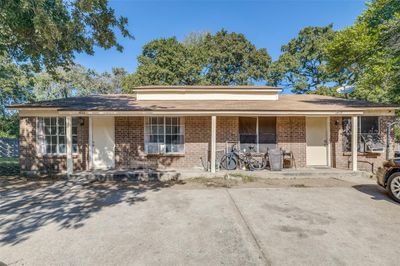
[72, 223]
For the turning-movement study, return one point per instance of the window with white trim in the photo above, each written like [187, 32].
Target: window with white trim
[164, 135]
[51, 135]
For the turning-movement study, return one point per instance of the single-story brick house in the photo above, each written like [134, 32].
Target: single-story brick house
[180, 127]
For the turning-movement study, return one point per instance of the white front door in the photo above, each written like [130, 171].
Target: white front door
[317, 142]
[103, 133]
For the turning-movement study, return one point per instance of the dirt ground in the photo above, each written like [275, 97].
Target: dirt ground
[17, 182]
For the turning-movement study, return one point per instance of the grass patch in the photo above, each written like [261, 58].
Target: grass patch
[8, 161]
[245, 178]
[9, 166]
[215, 182]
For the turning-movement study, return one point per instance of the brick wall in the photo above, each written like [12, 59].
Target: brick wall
[342, 159]
[291, 136]
[31, 161]
[129, 141]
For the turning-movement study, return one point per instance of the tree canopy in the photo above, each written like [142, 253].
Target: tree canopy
[76, 81]
[219, 59]
[302, 65]
[369, 52]
[49, 32]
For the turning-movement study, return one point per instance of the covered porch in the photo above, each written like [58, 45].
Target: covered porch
[122, 142]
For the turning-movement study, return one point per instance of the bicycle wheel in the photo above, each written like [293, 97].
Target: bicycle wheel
[228, 162]
[256, 164]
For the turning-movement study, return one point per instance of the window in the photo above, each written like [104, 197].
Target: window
[51, 137]
[164, 135]
[368, 133]
[259, 132]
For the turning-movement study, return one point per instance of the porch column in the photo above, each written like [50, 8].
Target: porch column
[213, 142]
[354, 136]
[90, 166]
[70, 163]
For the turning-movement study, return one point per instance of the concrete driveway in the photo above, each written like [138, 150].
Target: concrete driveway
[72, 223]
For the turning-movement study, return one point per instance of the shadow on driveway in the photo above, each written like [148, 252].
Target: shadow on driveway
[375, 191]
[27, 206]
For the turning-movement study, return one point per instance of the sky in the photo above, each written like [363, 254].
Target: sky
[266, 23]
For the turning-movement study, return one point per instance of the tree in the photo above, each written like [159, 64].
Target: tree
[302, 65]
[369, 50]
[231, 59]
[16, 84]
[165, 62]
[77, 81]
[202, 58]
[50, 32]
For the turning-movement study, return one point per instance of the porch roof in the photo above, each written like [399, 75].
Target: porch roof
[126, 102]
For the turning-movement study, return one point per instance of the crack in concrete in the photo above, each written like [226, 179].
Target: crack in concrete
[249, 229]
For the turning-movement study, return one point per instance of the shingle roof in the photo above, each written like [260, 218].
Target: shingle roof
[286, 102]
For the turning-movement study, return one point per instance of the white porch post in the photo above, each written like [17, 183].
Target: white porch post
[213, 142]
[90, 143]
[354, 135]
[70, 163]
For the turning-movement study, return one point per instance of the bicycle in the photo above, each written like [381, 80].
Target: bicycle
[235, 158]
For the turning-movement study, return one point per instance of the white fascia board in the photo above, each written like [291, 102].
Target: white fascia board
[208, 113]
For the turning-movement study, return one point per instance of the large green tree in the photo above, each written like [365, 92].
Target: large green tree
[16, 85]
[232, 59]
[302, 65]
[369, 51]
[77, 81]
[202, 58]
[50, 32]
[166, 62]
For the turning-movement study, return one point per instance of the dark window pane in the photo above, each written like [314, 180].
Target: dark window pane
[61, 130]
[62, 148]
[53, 148]
[75, 148]
[53, 130]
[247, 125]
[74, 139]
[267, 130]
[61, 139]
[248, 139]
[61, 121]
[369, 124]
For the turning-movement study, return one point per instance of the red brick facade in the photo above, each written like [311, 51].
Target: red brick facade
[129, 144]
[291, 136]
[31, 161]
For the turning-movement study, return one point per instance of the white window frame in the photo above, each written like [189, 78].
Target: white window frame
[43, 150]
[162, 151]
